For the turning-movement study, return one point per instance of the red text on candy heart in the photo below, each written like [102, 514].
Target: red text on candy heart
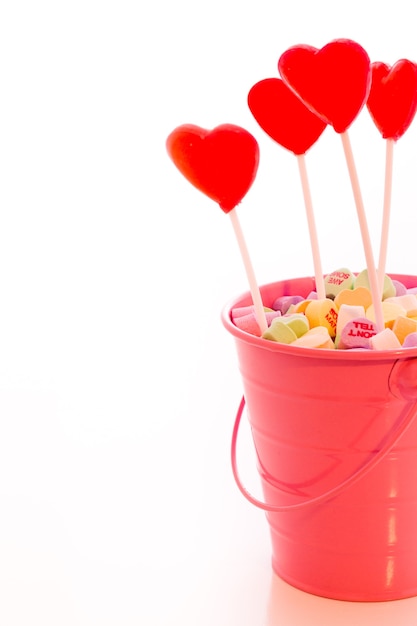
[361, 329]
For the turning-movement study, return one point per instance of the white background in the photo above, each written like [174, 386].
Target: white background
[118, 383]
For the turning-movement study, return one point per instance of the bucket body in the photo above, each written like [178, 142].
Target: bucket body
[319, 418]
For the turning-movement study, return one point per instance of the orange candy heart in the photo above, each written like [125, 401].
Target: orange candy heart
[360, 296]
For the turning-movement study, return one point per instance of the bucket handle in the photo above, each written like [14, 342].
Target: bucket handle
[390, 442]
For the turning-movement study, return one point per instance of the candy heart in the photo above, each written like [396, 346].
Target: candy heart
[317, 337]
[249, 323]
[322, 313]
[408, 302]
[297, 322]
[282, 115]
[388, 288]
[390, 312]
[333, 82]
[222, 163]
[400, 288]
[360, 296]
[299, 307]
[392, 101]
[385, 340]
[410, 341]
[240, 311]
[404, 326]
[338, 280]
[282, 333]
[346, 313]
[283, 303]
[357, 334]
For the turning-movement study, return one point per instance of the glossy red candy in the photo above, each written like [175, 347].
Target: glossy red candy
[392, 101]
[333, 81]
[222, 163]
[282, 115]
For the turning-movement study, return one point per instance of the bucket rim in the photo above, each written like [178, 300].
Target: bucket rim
[245, 299]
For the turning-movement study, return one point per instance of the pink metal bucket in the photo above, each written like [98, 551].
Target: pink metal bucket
[336, 441]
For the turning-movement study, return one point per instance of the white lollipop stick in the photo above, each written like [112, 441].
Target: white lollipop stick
[254, 289]
[389, 158]
[320, 288]
[372, 275]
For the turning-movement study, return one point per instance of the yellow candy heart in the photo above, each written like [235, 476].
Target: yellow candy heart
[317, 337]
[322, 312]
[390, 312]
[408, 302]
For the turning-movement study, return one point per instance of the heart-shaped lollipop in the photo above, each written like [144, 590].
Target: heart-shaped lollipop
[392, 104]
[333, 81]
[286, 119]
[222, 163]
[392, 100]
[282, 115]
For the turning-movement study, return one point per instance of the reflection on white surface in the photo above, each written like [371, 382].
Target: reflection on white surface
[292, 607]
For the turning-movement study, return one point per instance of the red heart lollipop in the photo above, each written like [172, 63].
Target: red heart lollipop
[392, 101]
[333, 82]
[282, 115]
[222, 163]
